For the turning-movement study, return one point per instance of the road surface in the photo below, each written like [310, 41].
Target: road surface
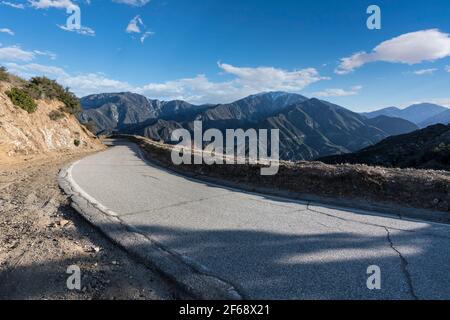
[269, 247]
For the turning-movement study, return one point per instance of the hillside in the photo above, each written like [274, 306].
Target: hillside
[416, 113]
[308, 128]
[427, 148]
[314, 128]
[111, 112]
[24, 135]
[442, 118]
[392, 125]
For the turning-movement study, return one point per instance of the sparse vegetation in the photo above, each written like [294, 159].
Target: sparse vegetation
[76, 142]
[22, 99]
[40, 88]
[4, 76]
[56, 115]
[45, 88]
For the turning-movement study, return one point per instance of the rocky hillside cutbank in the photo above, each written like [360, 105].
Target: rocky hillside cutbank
[30, 134]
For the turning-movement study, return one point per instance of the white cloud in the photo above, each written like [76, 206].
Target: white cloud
[82, 84]
[63, 4]
[247, 81]
[48, 54]
[410, 48]
[57, 4]
[135, 24]
[424, 71]
[338, 92]
[15, 53]
[85, 31]
[13, 5]
[146, 35]
[269, 78]
[439, 101]
[198, 89]
[6, 30]
[135, 3]
[85, 84]
[34, 69]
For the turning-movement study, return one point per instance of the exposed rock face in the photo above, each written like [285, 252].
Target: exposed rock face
[22, 133]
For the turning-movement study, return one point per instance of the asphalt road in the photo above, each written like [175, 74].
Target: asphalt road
[269, 247]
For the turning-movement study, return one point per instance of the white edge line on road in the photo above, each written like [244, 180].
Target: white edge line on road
[85, 195]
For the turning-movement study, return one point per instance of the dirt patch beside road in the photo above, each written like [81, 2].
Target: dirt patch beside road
[41, 236]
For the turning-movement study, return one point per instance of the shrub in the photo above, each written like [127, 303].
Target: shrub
[44, 88]
[56, 115]
[76, 142]
[71, 102]
[21, 99]
[4, 76]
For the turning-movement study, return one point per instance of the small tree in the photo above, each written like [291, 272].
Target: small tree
[45, 88]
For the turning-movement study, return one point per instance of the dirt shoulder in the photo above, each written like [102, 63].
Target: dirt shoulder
[41, 236]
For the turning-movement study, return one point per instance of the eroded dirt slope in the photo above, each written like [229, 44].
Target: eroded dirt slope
[24, 135]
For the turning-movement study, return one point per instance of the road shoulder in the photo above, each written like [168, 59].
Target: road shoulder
[41, 236]
[174, 267]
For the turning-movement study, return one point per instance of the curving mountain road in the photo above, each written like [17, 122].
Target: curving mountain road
[269, 247]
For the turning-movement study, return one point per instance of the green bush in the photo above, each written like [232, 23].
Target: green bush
[44, 88]
[71, 102]
[4, 76]
[56, 115]
[76, 142]
[21, 99]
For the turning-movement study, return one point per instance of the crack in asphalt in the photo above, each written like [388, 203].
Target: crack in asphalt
[175, 205]
[404, 265]
[308, 207]
[404, 262]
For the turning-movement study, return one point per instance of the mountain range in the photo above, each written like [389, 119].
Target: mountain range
[427, 148]
[309, 128]
[422, 114]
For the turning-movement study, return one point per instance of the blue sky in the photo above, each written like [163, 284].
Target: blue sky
[220, 50]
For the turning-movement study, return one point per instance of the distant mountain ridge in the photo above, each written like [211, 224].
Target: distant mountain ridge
[427, 148]
[117, 111]
[442, 118]
[309, 128]
[420, 114]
